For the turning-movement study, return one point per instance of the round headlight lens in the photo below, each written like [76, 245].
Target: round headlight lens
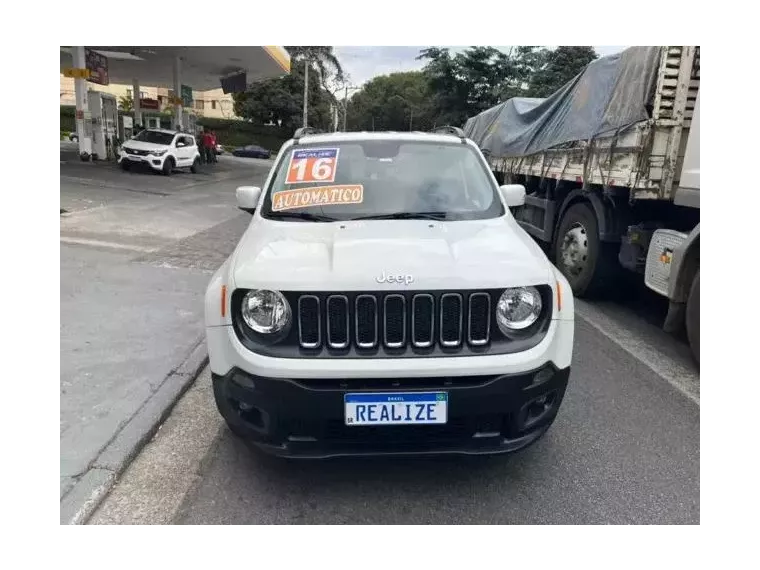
[518, 308]
[266, 312]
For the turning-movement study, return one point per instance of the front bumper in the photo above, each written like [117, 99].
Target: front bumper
[305, 417]
[155, 162]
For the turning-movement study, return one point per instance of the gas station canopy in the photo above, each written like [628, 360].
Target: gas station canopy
[202, 66]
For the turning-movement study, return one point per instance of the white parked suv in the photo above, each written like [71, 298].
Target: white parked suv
[162, 150]
[383, 300]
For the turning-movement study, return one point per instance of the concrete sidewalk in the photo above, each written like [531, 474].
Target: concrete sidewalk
[137, 251]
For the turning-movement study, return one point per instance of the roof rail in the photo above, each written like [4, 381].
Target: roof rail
[303, 131]
[449, 130]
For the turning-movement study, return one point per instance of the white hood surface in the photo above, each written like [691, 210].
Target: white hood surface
[350, 256]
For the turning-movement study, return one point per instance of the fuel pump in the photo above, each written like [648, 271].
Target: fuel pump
[104, 119]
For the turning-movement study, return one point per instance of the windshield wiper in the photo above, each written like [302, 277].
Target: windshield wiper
[405, 216]
[306, 216]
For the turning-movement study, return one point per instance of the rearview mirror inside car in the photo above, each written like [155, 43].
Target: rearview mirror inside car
[248, 198]
[514, 194]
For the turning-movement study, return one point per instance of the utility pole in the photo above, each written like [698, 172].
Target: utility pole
[306, 92]
[411, 114]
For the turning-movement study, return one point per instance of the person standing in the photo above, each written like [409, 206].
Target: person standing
[213, 146]
[206, 139]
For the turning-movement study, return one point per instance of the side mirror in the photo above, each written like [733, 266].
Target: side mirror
[248, 198]
[514, 194]
[181, 144]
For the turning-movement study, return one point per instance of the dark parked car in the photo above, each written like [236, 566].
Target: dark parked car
[252, 151]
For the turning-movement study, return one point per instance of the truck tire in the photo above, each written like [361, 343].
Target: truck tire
[692, 317]
[590, 266]
[168, 166]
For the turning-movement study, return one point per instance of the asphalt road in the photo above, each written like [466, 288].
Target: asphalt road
[624, 450]
[137, 251]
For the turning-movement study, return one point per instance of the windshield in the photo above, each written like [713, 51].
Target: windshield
[382, 179]
[156, 137]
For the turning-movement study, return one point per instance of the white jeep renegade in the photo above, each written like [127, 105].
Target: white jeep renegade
[383, 300]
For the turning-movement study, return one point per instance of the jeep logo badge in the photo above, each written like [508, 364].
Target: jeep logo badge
[400, 279]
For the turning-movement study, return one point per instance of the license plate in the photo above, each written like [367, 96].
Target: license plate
[396, 408]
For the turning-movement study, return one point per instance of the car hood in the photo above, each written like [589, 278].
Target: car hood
[354, 256]
[140, 145]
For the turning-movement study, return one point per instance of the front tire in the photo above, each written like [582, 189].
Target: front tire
[692, 317]
[168, 166]
[196, 165]
[124, 165]
[589, 265]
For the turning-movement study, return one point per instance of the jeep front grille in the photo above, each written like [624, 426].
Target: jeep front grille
[394, 321]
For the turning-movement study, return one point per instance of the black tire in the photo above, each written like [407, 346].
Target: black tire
[166, 170]
[124, 165]
[196, 165]
[692, 317]
[597, 269]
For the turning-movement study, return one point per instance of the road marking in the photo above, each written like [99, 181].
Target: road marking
[677, 374]
[107, 244]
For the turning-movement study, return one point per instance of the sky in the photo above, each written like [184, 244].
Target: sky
[362, 63]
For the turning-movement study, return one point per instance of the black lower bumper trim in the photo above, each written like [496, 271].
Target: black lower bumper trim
[486, 414]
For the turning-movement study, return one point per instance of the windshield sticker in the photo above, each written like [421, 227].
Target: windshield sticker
[320, 196]
[312, 165]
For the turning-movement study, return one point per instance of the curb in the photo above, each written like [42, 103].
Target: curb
[83, 498]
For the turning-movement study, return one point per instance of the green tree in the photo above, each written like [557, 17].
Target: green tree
[465, 84]
[319, 60]
[549, 70]
[395, 102]
[126, 104]
[280, 100]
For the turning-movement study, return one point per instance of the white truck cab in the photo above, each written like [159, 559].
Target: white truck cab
[383, 300]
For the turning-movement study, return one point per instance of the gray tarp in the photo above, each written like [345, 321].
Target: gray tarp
[610, 93]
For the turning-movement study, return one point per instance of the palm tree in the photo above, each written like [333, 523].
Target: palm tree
[323, 61]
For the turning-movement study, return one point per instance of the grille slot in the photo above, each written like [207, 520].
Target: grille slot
[394, 322]
[451, 319]
[309, 321]
[423, 320]
[365, 314]
[479, 319]
[337, 321]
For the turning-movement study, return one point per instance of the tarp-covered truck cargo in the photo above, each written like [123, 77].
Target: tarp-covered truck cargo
[601, 160]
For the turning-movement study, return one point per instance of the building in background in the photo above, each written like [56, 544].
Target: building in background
[214, 104]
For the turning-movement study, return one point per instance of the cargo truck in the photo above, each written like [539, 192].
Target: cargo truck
[610, 164]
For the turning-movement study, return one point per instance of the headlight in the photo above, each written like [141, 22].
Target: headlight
[158, 153]
[517, 309]
[266, 312]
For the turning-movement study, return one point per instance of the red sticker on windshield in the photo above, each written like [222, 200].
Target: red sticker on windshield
[312, 165]
[320, 196]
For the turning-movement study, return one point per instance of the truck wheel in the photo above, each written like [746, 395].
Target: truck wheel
[589, 265]
[168, 166]
[692, 317]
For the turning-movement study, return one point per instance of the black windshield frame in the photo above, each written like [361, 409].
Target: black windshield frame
[495, 210]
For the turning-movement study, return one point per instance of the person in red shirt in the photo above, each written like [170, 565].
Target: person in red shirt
[207, 151]
[213, 146]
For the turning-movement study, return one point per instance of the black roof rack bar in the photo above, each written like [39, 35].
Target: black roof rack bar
[303, 131]
[449, 130]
